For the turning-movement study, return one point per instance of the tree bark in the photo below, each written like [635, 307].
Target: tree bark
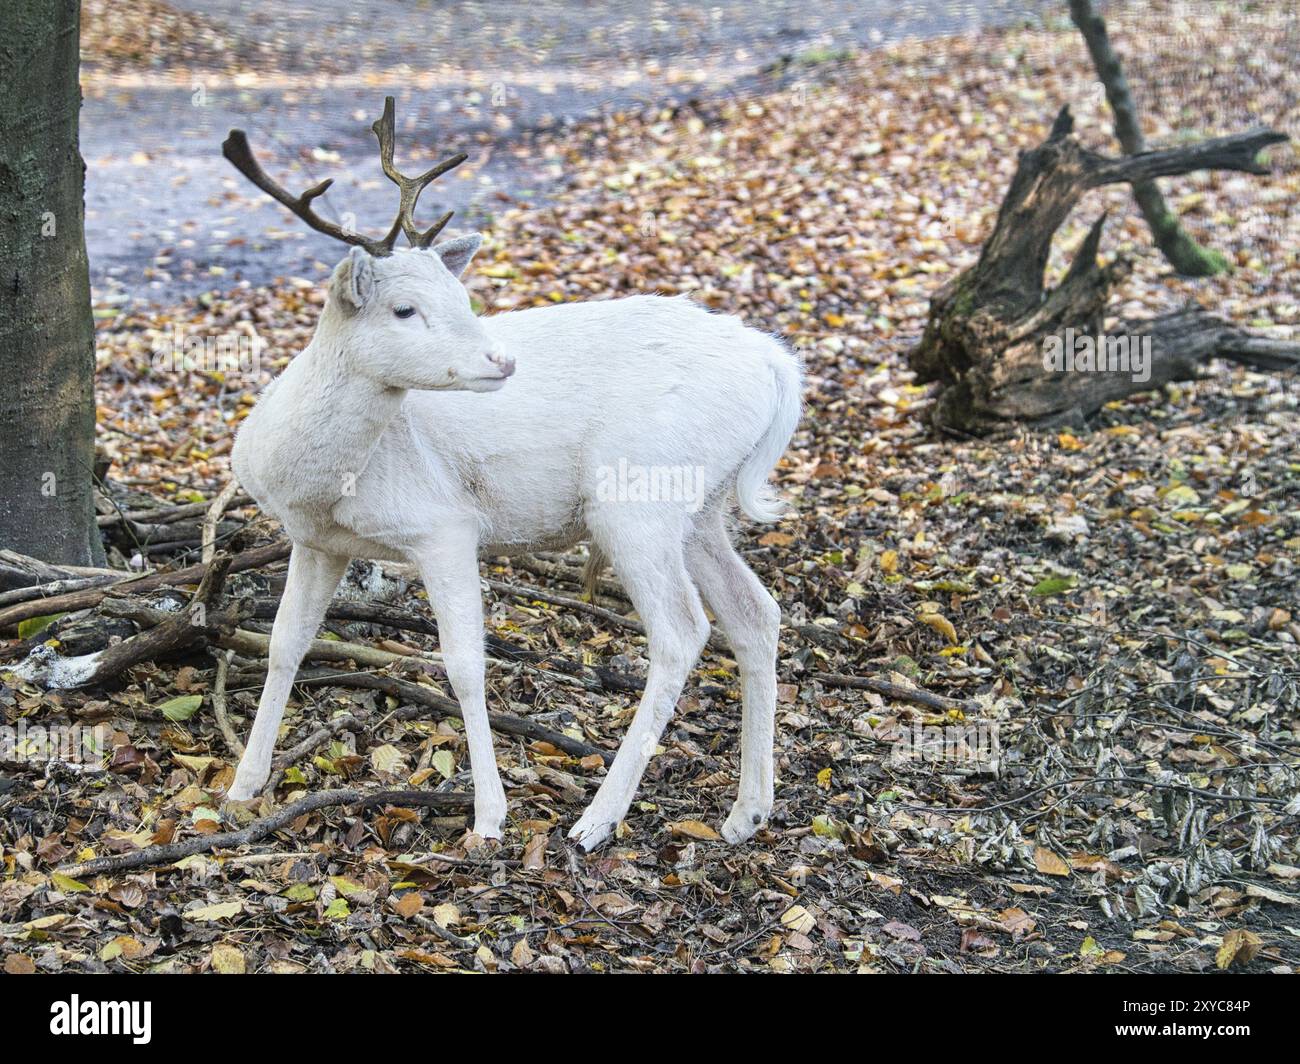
[47, 359]
[1183, 253]
[989, 328]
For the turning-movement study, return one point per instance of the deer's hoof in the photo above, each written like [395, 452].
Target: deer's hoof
[745, 819]
[590, 832]
[489, 829]
[248, 783]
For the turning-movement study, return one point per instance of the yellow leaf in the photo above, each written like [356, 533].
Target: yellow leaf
[210, 913]
[66, 884]
[1239, 947]
[228, 959]
[942, 625]
[889, 562]
[799, 919]
[693, 829]
[444, 763]
[122, 946]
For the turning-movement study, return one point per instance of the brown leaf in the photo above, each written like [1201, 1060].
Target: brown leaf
[535, 851]
[901, 931]
[19, 964]
[1016, 922]
[974, 941]
[1049, 863]
[409, 904]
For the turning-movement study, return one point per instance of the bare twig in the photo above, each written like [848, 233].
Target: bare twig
[538, 594]
[219, 703]
[259, 829]
[336, 650]
[893, 690]
[504, 723]
[213, 515]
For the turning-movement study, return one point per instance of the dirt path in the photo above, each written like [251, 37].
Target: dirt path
[167, 218]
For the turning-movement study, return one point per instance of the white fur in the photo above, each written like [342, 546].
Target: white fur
[373, 444]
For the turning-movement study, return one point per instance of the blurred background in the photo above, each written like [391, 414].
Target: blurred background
[509, 82]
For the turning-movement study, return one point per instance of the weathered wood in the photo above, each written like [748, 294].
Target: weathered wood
[173, 632]
[87, 597]
[988, 329]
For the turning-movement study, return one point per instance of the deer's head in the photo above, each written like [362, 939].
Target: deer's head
[403, 318]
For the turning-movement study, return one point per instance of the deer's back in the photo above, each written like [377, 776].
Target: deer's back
[644, 381]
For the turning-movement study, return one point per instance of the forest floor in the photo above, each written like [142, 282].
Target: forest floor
[1116, 608]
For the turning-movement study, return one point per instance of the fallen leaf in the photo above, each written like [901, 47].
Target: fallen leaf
[1239, 948]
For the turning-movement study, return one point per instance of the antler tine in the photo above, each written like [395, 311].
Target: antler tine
[409, 187]
[236, 149]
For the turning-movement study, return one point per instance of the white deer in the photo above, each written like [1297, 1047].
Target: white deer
[411, 430]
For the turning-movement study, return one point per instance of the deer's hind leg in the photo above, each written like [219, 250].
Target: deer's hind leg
[751, 621]
[645, 546]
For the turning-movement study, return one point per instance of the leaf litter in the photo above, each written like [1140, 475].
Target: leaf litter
[1117, 607]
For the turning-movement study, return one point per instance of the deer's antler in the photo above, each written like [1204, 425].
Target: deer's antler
[236, 149]
[410, 187]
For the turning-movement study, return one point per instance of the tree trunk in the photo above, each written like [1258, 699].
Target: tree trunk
[47, 359]
[1183, 253]
[994, 332]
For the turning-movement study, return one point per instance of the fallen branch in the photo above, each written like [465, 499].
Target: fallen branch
[259, 829]
[255, 643]
[894, 690]
[164, 515]
[579, 606]
[169, 633]
[24, 576]
[89, 597]
[441, 705]
[540, 595]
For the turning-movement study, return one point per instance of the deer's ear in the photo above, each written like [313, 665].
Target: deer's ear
[456, 254]
[354, 278]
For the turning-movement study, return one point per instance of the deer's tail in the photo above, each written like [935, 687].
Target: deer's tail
[756, 497]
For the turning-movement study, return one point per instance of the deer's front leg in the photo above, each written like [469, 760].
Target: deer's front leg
[450, 572]
[313, 576]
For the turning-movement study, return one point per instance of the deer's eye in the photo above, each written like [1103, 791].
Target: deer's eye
[403, 311]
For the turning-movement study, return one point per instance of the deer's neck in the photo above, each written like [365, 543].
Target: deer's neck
[327, 422]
